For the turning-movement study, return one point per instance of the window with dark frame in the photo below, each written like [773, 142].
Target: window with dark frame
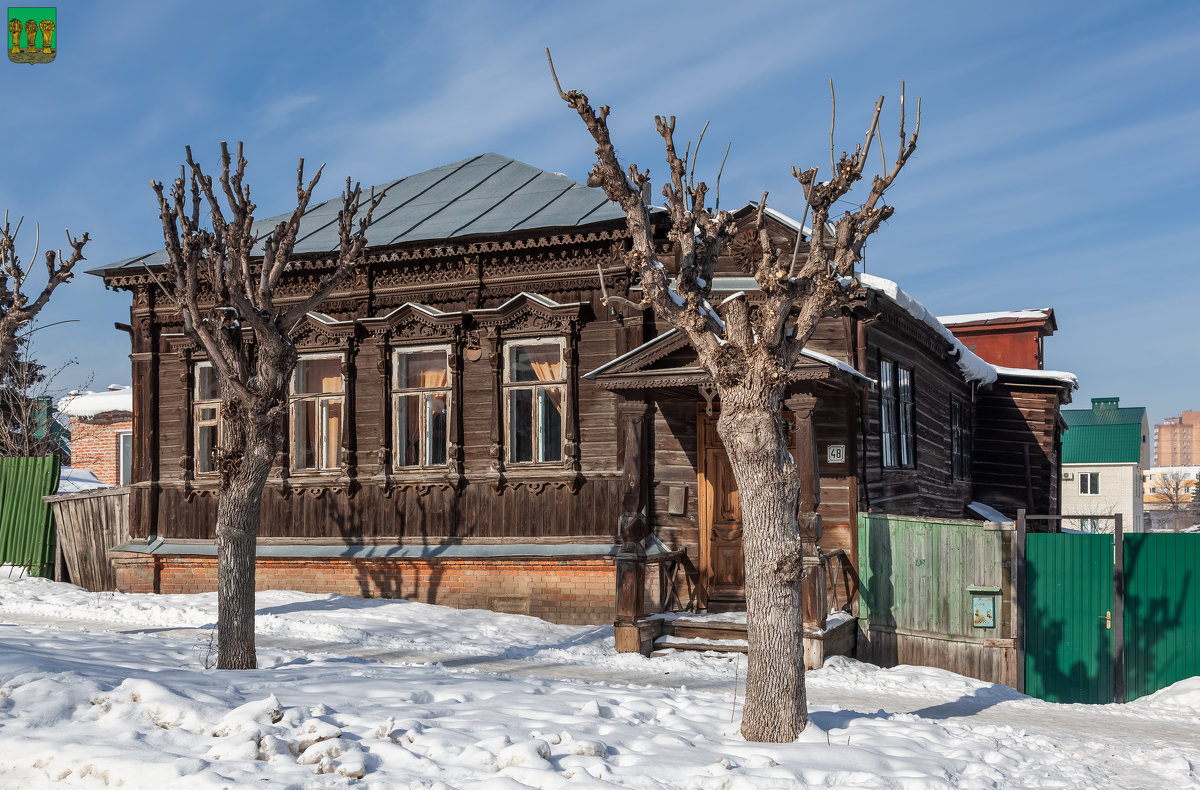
[534, 396]
[206, 418]
[421, 403]
[960, 439]
[316, 408]
[897, 415]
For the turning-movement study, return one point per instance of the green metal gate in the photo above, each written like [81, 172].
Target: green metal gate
[1069, 617]
[1162, 610]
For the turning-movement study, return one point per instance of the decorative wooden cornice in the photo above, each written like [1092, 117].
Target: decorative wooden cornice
[528, 313]
[415, 322]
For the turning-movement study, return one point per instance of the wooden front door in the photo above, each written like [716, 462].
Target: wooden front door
[727, 566]
[722, 564]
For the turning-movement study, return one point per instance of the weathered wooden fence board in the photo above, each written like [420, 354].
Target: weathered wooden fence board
[919, 580]
[89, 524]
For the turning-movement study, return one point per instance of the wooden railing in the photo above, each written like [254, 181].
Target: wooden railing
[841, 589]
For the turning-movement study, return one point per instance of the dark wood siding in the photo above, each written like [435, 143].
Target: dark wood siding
[1016, 460]
[928, 488]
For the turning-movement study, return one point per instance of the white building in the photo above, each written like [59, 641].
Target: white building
[1106, 450]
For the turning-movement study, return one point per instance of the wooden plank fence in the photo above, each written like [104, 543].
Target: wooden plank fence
[89, 524]
[921, 579]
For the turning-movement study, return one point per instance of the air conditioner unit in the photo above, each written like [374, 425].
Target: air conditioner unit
[1068, 475]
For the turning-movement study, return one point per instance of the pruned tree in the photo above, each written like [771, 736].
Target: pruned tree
[1173, 491]
[225, 291]
[749, 347]
[15, 308]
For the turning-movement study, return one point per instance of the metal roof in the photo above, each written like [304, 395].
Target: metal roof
[1105, 433]
[485, 194]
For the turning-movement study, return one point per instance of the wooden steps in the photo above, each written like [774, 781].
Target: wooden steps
[723, 635]
[701, 633]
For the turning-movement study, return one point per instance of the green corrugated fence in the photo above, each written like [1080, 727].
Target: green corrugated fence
[26, 522]
[1162, 610]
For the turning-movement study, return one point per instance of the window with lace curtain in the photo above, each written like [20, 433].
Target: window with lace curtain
[206, 417]
[316, 408]
[421, 405]
[534, 395]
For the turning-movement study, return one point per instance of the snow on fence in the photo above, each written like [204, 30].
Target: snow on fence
[89, 524]
[938, 593]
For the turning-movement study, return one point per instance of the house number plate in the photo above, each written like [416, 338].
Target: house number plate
[835, 454]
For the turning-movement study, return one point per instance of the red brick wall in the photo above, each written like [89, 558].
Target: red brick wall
[575, 591]
[94, 446]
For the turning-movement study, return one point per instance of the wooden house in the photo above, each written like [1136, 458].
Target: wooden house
[469, 425]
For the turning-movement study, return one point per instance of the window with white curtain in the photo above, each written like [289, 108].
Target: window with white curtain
[534, 396]
[421, 405]
[206, 418]
[316, 409]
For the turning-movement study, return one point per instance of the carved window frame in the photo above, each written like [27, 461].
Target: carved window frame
[528, 317]
[321, 399]
[450, 410]
[198, 405]
[538, 420]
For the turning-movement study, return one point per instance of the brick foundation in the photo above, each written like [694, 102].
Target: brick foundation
[570, 591]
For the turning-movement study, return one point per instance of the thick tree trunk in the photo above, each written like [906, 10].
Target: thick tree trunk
[752, 429]
[238, 507]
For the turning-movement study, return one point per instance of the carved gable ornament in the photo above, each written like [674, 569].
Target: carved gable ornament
[412, 321]
[317, 330]
[529, 313]
[669, 361]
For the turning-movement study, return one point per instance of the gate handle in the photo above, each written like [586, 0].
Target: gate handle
[1107, 618]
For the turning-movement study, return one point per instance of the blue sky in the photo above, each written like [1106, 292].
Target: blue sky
[1057, 145]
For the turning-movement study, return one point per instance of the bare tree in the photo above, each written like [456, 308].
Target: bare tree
[749, 348]
[15, 308]
[1171, 492]
[226, 295]
[27, 407]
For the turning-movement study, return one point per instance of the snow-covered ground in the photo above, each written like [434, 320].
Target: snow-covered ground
[111, 690]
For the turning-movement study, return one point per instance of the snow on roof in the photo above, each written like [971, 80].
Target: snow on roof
[1036, 314]
[973, 368]
[1061, 376]
[117, 398]
[72, 480]
[987, 512]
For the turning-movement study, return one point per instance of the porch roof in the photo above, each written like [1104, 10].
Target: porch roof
[631, 369]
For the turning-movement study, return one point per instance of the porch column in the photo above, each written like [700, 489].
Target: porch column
[812, 578]
[632, 525]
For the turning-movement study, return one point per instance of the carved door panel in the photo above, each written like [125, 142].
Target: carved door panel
[727, 566]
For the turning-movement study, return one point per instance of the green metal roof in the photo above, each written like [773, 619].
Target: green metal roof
[1103, 434]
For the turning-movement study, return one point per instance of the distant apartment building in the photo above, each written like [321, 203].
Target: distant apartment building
[1173, 440]
[1106, 450]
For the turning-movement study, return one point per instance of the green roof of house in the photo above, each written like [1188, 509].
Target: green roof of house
[1103, 434]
